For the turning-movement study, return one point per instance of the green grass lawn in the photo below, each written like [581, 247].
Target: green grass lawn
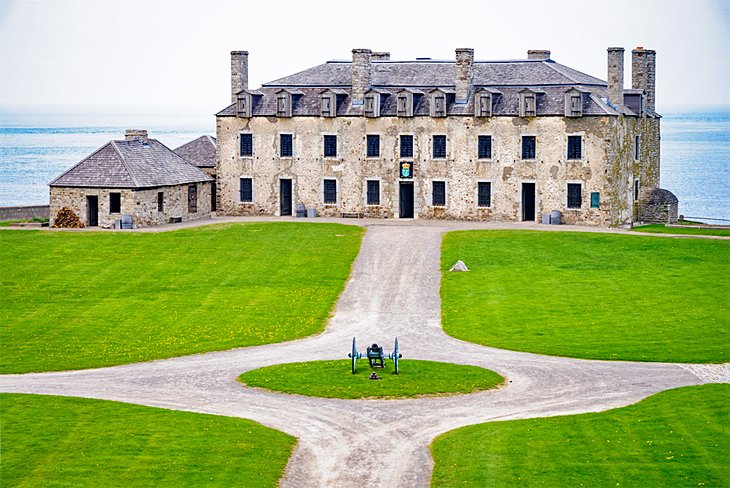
[675, 438]
[590, 295]
[8, 223]
[699, 231]
[334, 379]
[72, 300]
[59, 441]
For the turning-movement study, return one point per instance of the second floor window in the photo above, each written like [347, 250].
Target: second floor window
[373, 146]
[637, 148]
[484, 147]
[246, 144]
[330, 147]
[285, 148]
[528, 147]
[406, 146]
[439, 147]
[574, 147]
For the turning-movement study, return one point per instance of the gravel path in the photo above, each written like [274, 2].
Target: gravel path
[394, 291]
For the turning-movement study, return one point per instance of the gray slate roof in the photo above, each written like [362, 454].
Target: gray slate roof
[199, 152]
[508, 77]
[131, 164]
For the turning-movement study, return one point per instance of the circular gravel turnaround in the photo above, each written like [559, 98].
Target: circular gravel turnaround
[333, 379]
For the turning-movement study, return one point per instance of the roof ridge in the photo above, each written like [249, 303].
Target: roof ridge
[554, 65]
[124, 163]
[210, 139]
[78, 164]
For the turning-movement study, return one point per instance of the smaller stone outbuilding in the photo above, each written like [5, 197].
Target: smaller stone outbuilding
[656, 205]
[136, 179]
[201, 152]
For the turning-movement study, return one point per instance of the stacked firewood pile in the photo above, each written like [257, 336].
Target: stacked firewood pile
[67, 219]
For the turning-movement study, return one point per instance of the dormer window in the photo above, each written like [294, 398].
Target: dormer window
[573, 103]
[438, 104]
[404, 104]
[372, 101]
[329, 105]
[634, 100]
[243, 105]
[283, 104]
[528, 103]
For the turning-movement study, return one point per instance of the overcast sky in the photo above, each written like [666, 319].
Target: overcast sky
[151, 53]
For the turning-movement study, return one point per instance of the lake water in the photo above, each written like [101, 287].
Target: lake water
[695, 153]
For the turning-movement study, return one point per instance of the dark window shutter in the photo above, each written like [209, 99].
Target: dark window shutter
[484, 147]
[439, 147]
[406, 146]
[574, 147]
[595, 199]
[330, 191]
[373, 143]
[373, 192]
[246, 190]
[528, 147]
[439, 194]
[574, 195]
[286, 149]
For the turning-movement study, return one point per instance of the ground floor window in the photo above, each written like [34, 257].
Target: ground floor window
[192, 198]
[484, 194]
[439, 194]
[160, 201]
[373, 192]
[246, 190]
[330, 191]
[574, 195]
[115, 203]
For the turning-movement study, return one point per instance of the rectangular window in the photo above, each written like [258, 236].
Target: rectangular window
[192, 198]
[115, 202]
[484, 147]
[246, 144]
[373, 194]
[373, 146]
[530, 105]
[330, 146]
[637, 148]
[575, 147]
[439, 147]
[286, 149]
[160, 201]
[439, 109]
[576, 105]
[484, 194]
[246, 190]
[439, 194]
[574, 196]
[636, 189]
[330, 191]
[528, 147]
[406, 146]
[595, 199]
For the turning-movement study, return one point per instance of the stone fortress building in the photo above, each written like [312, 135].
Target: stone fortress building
[459, 139]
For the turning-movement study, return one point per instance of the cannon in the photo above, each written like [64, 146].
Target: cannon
[375, 356]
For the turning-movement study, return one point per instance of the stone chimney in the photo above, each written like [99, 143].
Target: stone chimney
[361, 68]
[538, 54]
[616, 75]
[135, 135]
[239, 72]
[380, 56]
[643, 74]
[464, 73]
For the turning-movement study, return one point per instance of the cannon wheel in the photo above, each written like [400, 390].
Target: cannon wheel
[353, 355]
[396, 356]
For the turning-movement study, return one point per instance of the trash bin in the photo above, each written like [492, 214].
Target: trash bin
[301, 211]
[555, 217]
[126, 222]
[546, 218]
[311, 212]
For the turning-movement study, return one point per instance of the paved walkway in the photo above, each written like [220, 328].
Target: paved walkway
[394, 291]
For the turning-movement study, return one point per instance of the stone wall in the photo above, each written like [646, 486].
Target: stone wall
[24, 212]
[605, 168]
[140, 204]
[656, 205]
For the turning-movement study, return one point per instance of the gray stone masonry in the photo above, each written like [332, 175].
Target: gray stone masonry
[361, 70]
[643, 74]
[24, 212]
[539, 54]
[239, 72]
[464, 73]
[616, 75]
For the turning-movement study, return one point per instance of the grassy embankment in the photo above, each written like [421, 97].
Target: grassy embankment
[674, 438]
[91, 299]
[590, 295]
[333, 379]
[690, 231]
[60, 441]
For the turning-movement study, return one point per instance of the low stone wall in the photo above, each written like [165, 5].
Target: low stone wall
[657, 205]
[25, 213]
